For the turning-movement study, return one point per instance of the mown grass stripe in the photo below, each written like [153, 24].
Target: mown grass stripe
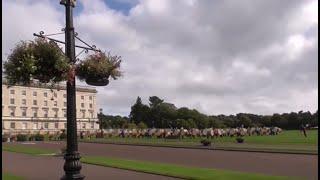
[175, 170]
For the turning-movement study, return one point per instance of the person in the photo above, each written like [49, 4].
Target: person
[303, 129]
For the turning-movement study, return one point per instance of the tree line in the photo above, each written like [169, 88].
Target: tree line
[160, 114]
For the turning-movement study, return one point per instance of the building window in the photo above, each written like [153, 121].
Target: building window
[90, 97]
[92, 125]
[12, 111]
[55, 103]
[24, 112]
[55, 113]
[24, 125]
[91, 114]
[45, 94]
[83, 113]
[24, 92]
[90, 105]
[83, 125]
[64, 113]
[45, 113]
[82, 105]
[12, 125]
[45, 103]
[34, 93]
[24, 102]
[11, 91]
[82, 97]
[64, 104]
[35, 102]
[64, 96]
[35, 125]
[11, 101]
[35, 112]
[55, 94]
[65, 125]
[46, 125]
[56, 125]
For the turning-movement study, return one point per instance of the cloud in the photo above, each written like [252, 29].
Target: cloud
[216, 56]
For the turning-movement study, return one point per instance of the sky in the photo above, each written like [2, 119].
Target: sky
[216, 56]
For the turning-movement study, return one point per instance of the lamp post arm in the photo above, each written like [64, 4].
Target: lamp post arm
[58, 41]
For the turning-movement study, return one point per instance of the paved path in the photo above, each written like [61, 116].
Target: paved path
[265, 163]
[50, 168]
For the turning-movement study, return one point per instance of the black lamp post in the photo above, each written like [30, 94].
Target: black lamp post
[72, 165]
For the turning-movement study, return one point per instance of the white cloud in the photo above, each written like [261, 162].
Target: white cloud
[255, 56]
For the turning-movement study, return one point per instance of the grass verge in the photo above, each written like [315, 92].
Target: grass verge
[9, 176]
[153, 168]
[27, 150]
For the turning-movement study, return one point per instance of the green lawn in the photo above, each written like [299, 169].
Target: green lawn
[175, 170]
[288, 141]
[150, 167]
[9, 176]
[26, 150]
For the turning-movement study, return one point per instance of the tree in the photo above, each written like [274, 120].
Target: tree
[154, 101]
[244, 120]
[139, 112]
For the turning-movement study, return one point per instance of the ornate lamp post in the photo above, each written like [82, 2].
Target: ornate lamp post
[72, 157]
[72, 165]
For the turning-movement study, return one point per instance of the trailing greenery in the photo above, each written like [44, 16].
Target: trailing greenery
[99, 66]
[39, 59]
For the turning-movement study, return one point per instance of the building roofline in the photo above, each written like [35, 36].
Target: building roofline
[58, 86]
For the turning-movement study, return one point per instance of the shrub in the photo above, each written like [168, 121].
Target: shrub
[205, 142]
[31, 138]
[5, 138]
[46, 137]
[63, 136]
[240, 140]
[13, 138]
[142, 125]
[38, 137]
[22, 137]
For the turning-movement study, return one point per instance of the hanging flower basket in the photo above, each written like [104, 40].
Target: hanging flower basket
[52, 65]
[96, 69]
[20, 65]
[40, 59]
[97, 82]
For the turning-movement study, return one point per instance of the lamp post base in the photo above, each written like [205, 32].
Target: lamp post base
[72, 167]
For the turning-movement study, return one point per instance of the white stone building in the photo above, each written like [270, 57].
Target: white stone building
[37, 108]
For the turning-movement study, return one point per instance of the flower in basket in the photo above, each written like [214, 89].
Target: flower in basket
[40, 59]
[96, 69]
